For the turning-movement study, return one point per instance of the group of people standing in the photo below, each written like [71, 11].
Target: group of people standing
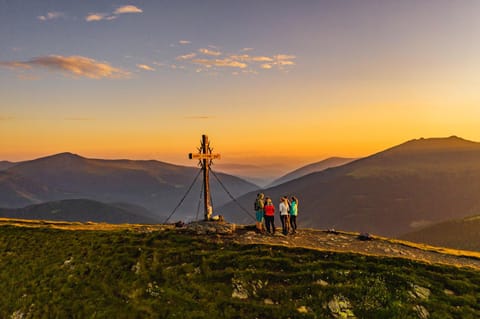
[265, 214]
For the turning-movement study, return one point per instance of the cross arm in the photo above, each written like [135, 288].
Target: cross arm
[203, 156]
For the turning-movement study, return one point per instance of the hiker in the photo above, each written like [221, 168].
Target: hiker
[293, 214]
[269, 211]
[259, 204]
[283, 208]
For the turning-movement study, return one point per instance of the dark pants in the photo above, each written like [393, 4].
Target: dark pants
[285, 224]
[270, 221]
[293, 222]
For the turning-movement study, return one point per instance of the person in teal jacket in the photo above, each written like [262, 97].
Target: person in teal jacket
[293, 214]
[259, 215]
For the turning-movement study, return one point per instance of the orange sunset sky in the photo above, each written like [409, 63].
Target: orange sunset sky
[280, 83]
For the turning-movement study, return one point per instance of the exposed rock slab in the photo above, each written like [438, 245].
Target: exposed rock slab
[211, 227]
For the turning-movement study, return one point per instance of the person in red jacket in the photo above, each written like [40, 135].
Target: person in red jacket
[269, 211]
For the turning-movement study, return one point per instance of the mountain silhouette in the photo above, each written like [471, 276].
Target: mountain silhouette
[154, 185]
[5, 165]
[461, 233]
[388, 193]
[80, 210]
[311, 168]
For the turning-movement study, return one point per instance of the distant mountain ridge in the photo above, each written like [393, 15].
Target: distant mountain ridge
[80, 210]
[154, 185]
[387, 193]
[5, 165]
[311, 168]
[457, 234]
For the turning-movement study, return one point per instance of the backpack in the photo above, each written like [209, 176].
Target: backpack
[256, 206]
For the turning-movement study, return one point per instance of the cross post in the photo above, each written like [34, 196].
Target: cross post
[205, 158]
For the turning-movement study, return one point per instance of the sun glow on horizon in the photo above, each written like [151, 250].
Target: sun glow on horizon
[341, 79]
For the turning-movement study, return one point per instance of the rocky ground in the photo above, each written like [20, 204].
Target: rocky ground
[350, 242]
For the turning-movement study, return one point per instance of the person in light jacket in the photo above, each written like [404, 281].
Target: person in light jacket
[283, 208]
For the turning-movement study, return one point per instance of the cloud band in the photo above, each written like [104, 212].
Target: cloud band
[74, 65]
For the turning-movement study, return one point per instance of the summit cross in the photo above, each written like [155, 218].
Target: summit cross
[205, 158]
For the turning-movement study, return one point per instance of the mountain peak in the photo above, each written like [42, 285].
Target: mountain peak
[436, 144]
[442, 140]
[67, 155]
[53, 161]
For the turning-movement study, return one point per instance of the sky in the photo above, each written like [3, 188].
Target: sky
[275, 84]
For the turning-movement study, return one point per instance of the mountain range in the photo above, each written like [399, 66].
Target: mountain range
[463, 233]
[392, 193]
[156, 186]
[5, 164]
[82, 210]
[389, 193]
[311, 168]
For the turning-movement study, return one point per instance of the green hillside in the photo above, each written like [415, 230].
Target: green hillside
[52, 273]
[458, 234]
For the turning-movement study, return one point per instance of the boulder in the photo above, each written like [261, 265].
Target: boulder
[340, 307]
[419, 292]
[211, 227]
[421, 311]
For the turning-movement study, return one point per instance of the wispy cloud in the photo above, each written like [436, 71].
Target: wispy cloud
[283, 59]
[220, 63]
[261, 59]
[145, 67]
[15, 65]
[127, 9]
[184, 42]
[209, 52]
[97, 16]
[77, 66]
[186, 56]
[246, 57]
[211, 59]
[51, 16]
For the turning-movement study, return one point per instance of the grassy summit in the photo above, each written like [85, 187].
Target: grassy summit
[52, 273]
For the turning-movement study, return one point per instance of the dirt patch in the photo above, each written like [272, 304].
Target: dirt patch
[350, 242]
